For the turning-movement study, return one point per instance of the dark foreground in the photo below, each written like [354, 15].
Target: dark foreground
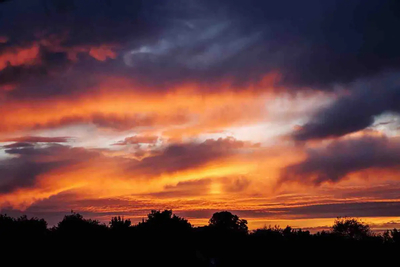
[164, 239]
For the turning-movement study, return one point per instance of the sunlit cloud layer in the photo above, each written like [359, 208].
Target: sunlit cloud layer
[280, 115]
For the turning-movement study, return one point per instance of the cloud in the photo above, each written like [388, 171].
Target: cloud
[239, 184]
[193, 188]
[18, 56]
[35, 173]
[124, 110]
[343, 157]
[91, 22]
[23, 170]
[38, 139]
[365, 209]
[138, 139]
[180, 157]
[102, 53]
[355, 111]
[3, 39]
[18, 145]
[314, 44]
[44, 39]
[32, 65]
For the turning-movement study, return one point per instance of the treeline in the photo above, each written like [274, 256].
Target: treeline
[164, 239]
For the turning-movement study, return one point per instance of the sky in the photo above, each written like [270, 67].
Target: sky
[282, 112]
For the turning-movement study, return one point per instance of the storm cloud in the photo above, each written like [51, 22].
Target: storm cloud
[310, 43]
[342, 157]
[29, 163]
[354, 111]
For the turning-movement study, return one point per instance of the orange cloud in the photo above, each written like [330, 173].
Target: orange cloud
[181, 111]
[19, 56]
[55, 43]
[231, 166]
[102, 53]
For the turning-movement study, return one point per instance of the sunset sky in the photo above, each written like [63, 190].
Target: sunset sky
[282, 112]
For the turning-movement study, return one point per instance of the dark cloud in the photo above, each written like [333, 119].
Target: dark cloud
[342, 157]
[360, 209]
[387, 190]
[46, 66]
[11, 74]
[20, 174]
[38, 139]
[179, 157]
[353, 112]
[63, 26]
[138, 139]
[18, 145]
[363, 209]
[88, 22]
[121, 122]
[30, 162]
[311, 43]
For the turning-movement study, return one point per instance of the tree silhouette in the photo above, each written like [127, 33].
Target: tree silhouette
[6, 224]
[270, 232]
[226, 221]
[165, 239]
[75, 224]
[32, 226]
[118, 223]
[22, 226]
[163, 220]
[351, 228]
[392, 236]
[395, 236]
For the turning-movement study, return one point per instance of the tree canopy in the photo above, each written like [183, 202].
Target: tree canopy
[225, 220]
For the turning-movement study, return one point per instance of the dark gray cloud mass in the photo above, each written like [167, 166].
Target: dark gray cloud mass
[311, 43]
[38, 139]
[340, 158]
[29, 162]
[355, 111]
[85, 22]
